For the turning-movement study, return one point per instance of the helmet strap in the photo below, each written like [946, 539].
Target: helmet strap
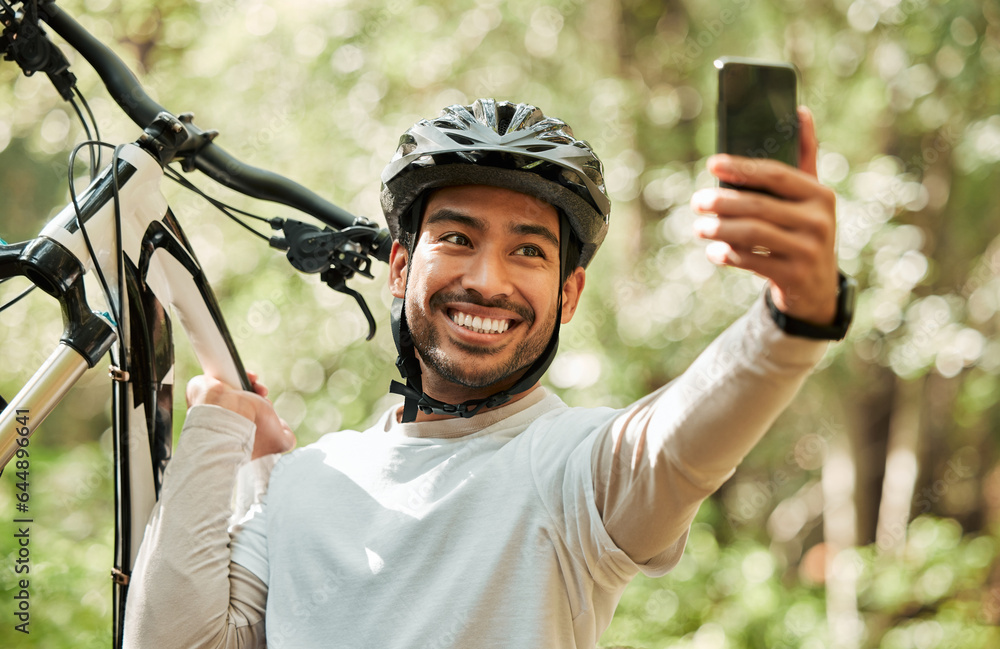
[409, 366]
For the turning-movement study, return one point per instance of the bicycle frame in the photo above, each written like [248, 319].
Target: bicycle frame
[150, 267]
[160, 270]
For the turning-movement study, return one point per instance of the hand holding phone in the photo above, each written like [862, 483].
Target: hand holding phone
[757, 115]
[785, 229]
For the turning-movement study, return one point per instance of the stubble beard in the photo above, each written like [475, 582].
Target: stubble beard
[427, 342]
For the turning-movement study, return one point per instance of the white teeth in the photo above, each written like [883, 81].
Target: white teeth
[481, 325]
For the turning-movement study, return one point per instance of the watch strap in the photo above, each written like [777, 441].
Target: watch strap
[846, 293]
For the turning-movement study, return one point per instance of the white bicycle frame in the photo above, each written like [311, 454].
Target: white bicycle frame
[142, 252]
[160, 269]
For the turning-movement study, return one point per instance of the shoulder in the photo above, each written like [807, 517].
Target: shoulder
[557, 417]
[329, 451]
[564, 430]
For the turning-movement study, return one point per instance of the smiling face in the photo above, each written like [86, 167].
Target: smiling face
[482, 289]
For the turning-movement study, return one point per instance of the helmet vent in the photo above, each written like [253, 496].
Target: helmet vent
[461, 139]
[538, 148]
[505, 114]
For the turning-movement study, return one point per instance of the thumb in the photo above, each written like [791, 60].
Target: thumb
[808, 144]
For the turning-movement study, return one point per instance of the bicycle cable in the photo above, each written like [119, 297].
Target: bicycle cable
[95, 163]
[115, 314]
[17, 299]
[228, 210]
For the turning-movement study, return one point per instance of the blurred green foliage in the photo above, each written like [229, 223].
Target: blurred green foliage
[906, 96]
[738, 594]
[70, 550]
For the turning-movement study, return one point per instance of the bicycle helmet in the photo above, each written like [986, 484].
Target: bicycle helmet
[501, 144]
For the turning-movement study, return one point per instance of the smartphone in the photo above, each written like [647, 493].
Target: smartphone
[757, 115]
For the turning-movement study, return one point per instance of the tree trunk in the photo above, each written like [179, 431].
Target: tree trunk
[901, 467]
[840, 530]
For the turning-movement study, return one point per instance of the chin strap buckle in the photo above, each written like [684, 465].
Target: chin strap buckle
[416, 400]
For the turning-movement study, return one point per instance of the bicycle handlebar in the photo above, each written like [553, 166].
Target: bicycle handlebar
[210, 159]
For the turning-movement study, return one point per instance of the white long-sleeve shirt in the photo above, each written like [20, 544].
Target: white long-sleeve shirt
[519, 527]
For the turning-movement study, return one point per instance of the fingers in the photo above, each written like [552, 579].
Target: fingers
[258, 387]
[205, 389]
[736, 204]
[774, 238]
[754, 236]
[757, 259]
[786, 235]
[273, 435]
[763, 174]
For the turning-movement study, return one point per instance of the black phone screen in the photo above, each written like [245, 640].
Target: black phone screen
[757, 110]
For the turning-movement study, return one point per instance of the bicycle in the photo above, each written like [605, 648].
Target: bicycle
[121, 229]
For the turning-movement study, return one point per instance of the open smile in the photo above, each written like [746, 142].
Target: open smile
[479, 324]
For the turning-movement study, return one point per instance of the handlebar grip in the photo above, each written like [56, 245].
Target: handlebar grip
[382, 246]
[258, 183]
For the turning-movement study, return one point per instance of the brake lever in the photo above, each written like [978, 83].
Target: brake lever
[24, 41]
[337, 282]
[337, 255]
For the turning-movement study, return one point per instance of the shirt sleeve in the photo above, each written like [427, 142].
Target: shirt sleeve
[249, 540]
[184, 591]
[661, 457]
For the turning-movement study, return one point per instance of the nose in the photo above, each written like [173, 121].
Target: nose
[488, 274]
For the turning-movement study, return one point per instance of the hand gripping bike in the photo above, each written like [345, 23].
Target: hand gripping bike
[122, 229]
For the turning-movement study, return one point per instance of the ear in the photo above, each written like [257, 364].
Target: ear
[397, 269]
[571, 293]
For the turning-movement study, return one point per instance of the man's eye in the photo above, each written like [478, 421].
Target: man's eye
[455, 238]
[530, 251]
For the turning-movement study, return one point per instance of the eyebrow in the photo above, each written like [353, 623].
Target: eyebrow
[535, 230]
[445, 215]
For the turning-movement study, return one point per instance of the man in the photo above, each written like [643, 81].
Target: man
[484, 512]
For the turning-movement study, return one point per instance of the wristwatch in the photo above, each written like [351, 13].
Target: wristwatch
[846, 294]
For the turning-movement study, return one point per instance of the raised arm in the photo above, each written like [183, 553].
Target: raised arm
[184, 591]
[671, 450]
